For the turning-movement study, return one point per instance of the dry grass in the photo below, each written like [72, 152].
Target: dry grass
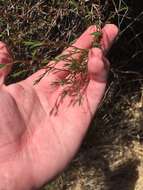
[111, 154]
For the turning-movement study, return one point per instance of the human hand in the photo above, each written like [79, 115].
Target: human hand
[34, 145]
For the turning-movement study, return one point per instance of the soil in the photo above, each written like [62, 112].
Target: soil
[111, 155]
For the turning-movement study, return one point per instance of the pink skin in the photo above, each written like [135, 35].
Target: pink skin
[34, 145]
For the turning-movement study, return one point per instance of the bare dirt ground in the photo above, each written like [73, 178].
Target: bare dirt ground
[111, 156]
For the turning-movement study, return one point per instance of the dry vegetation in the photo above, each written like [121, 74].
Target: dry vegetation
[38, 30]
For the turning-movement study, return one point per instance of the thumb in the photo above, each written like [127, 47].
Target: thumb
[5, 61]
[98, 65]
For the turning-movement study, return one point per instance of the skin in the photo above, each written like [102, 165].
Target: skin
[34, 145]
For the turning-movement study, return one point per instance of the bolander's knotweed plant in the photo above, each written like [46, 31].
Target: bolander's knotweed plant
[74, 84]
[76, 81]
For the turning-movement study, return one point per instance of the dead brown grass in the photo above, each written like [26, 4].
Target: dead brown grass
[111, 155]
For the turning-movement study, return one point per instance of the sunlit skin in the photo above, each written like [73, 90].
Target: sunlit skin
[34, 145]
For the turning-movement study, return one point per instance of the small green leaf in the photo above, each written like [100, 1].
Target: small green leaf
[73, 4]
[74, 66]
[97, 34]
[20, 73]
[2, 66]
[33, 44]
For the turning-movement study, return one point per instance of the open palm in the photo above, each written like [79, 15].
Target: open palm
[34, 144]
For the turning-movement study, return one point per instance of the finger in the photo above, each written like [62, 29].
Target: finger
[85, 41]
[109, 32]
[5, 61]
[94, 95]
[98, 65]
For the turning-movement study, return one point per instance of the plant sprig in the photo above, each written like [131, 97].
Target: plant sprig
[74, 84]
